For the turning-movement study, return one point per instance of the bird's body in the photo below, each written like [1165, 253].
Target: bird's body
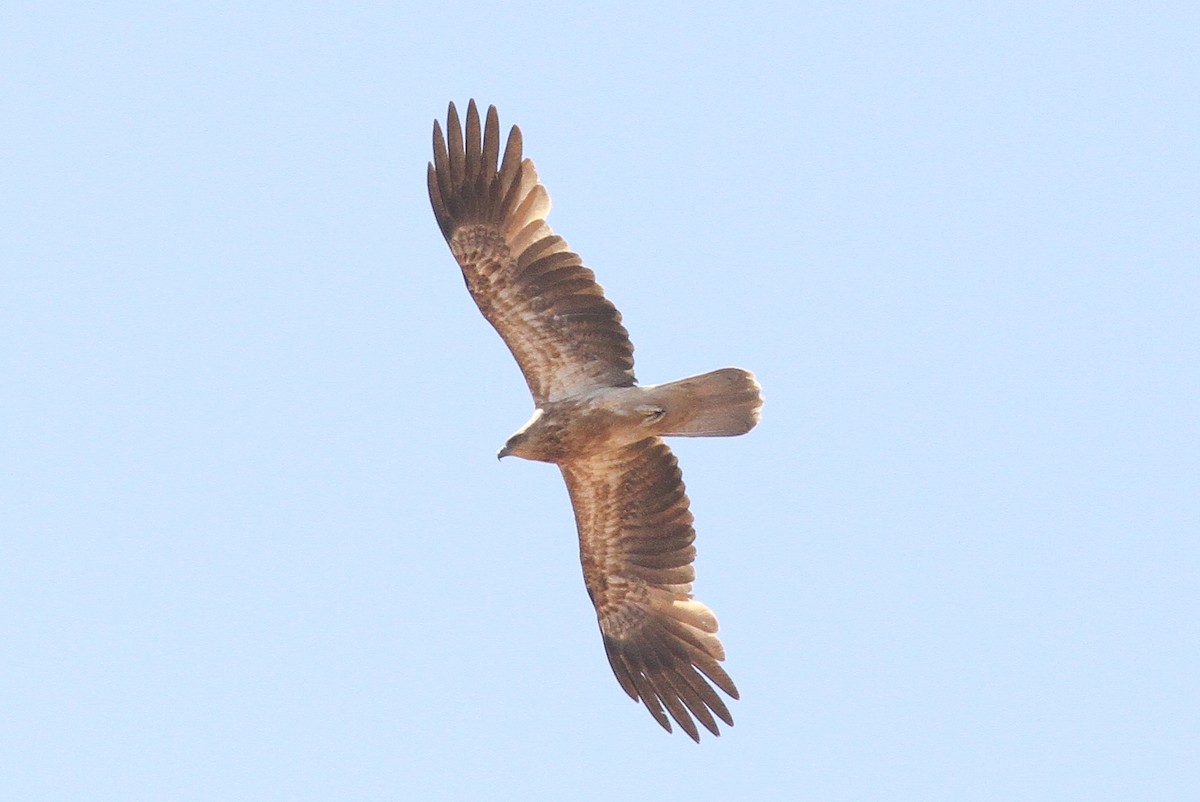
[719, 403]
[593, 420]
[590, 423]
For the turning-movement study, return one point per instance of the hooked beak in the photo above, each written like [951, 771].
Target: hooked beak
[502, 453]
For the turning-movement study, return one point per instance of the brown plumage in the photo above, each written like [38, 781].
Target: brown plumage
[593, 421]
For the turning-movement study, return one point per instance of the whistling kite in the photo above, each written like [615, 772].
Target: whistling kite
[593, 421]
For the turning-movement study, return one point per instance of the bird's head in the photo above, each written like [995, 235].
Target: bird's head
[511, 448]
[533, 441]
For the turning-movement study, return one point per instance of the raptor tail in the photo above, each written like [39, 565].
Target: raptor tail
[722, 403]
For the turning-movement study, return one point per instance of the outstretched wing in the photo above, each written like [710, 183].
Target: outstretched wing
[635, 542]
[565, 335]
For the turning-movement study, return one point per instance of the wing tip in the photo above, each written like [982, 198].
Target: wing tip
[475, 188]
[672, 684]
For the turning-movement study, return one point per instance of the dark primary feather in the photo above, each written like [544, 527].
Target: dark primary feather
[635, 543]
[566, 336]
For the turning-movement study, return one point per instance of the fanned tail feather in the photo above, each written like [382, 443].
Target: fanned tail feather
[722, 403]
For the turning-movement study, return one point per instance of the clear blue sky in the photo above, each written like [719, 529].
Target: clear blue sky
[256, 544]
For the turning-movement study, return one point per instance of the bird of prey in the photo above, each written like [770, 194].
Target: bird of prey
[594, 421]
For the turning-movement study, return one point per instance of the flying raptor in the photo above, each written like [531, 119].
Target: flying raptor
[594, 421]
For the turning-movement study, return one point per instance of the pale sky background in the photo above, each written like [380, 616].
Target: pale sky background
[256, 544]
